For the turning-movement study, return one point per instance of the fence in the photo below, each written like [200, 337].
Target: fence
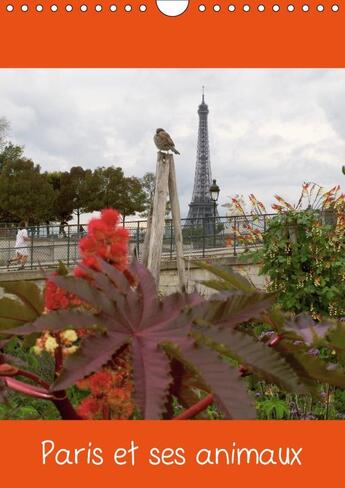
[201, 238]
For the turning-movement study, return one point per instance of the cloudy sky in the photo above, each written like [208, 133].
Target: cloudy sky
[270, 130]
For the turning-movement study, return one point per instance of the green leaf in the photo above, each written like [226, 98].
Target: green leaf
[229, 280]
[14, 314]
[29, 294]
[62, 270]
[336, 337]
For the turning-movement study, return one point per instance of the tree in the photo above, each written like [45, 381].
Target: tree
[25, 193]
[79, 180]
[72, 192]
[133, 197]
[148, 182]
[62, 209]
[11, 152]
[108, 187]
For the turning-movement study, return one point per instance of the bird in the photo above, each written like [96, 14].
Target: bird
[164, 142]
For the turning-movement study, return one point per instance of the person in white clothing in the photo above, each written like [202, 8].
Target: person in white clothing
[21, 246]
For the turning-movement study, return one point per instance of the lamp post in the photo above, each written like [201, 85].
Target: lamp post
[214, 192]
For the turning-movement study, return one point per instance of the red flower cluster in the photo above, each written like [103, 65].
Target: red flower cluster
[105, 239]
[110, 395]
[56, 298]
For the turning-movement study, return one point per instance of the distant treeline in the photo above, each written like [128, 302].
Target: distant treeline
[27, 193]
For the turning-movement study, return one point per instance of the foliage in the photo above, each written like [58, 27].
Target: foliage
[303, 253]
[72, 192]
[148, 182]
[112, 189]
[139, 355]
[273, 408]
[25, 193]
[10, 152]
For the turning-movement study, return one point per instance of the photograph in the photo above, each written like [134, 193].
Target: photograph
[172, 244]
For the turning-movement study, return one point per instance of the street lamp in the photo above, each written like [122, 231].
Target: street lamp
[214, 192]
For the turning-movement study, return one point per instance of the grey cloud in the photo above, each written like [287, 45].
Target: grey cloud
[270, 130]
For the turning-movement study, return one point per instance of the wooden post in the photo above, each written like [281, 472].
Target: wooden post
[176, 216]
[145, 257]
[158, 216]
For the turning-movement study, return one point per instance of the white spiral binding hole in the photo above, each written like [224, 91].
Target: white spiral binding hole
[201, 8]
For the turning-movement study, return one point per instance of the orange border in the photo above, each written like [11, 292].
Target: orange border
[322, 454]
[151, 39]
[194, 39]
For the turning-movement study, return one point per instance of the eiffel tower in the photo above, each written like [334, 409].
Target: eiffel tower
[201, 208]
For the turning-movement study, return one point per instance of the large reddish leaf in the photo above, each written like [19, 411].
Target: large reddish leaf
[229, 309]
[151, 366]
[307, 328]
[224, 382]
[263, 360]
[125, 309]
[60, 320]
[94, 352]
[87, 293]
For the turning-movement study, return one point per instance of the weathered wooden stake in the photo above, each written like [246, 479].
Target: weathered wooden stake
[176, 217]
[158, 216]
[145, 255]
[152, 252]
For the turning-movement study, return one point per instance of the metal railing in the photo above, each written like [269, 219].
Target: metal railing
[50, 244]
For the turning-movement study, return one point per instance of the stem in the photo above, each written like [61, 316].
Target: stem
[58, 356]
[327, 401]
[65, 407]
[33, 377]
[27, 389]
[195, 409]
[59, 398]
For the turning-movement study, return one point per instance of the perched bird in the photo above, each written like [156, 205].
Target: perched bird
[164, 142]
